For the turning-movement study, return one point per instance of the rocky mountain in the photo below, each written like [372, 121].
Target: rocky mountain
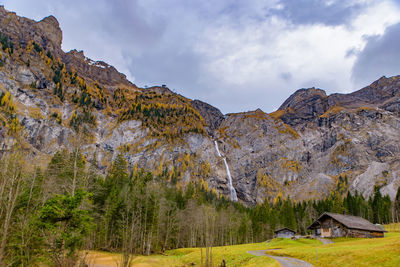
[51, 100]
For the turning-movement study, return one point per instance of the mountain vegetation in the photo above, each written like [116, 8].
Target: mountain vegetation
[49, 98]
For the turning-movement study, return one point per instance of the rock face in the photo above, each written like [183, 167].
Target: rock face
[53, 100]
[304, 105]
[211, 115]
[307, 104]
[50, 26]
[95, 70]
[21, 30]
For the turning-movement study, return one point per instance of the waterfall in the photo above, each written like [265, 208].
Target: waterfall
[216, 147]
[232, 190]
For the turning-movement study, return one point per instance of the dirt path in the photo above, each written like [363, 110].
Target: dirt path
[325, 241]
[283, 261]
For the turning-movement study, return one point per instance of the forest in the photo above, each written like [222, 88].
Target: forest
[50, 215]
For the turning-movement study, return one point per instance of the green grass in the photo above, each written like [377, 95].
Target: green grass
[233, 256]
[344, 252]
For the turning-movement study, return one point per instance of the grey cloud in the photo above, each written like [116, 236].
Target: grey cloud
[287, 76]
[351, 52]
[178, 70]
[381, 56]
[122, 22]
[319, 11]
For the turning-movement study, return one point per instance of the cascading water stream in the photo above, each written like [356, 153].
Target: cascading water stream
[232, 190]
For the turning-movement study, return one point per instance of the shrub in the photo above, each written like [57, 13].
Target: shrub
[7, 45]
[77, 119]
[57, 117]
[49, 55]
[57, 76]
[37, 47]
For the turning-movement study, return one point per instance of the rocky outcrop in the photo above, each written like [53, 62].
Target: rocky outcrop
[304, 105]
[51, 28]
[309, 104]
[211, 115]
[379, 91]
[95, 70]
[303, 97]
[46, 33]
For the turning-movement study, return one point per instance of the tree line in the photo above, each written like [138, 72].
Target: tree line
[50, 215]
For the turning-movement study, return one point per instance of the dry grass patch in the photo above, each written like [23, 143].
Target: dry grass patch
[332, 111]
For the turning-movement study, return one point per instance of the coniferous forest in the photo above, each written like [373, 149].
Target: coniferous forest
[52, 214]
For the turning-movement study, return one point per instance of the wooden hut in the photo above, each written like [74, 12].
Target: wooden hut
[285, 233]
[340, 225]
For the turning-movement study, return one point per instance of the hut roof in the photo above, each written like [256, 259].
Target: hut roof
[285, 228]
[350, 221]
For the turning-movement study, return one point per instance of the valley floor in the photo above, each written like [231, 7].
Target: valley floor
[343, 252]
[233, 255]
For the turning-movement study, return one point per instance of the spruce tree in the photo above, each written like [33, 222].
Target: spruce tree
[337, 204]
[287, 216]
[397, 206]
[376, 205]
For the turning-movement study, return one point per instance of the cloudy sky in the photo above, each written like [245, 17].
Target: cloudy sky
[237, 55]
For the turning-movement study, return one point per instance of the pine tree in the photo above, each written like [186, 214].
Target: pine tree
[287, 216]
[385, 210]
[337, 204]
[376, 205]
[397, 205]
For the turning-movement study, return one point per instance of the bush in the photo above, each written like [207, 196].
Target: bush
[57, 117]
[37, 47]
[77, 119]
[49, 55]
[58, 91]
[57, 76]
[6, 43]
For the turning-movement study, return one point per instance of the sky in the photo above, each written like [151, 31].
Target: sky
[236, 55]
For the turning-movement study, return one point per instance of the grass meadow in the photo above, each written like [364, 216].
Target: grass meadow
[343, 252]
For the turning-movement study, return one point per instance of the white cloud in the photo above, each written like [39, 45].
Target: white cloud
[252, 59]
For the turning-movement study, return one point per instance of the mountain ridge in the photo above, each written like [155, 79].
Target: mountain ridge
[51, 97]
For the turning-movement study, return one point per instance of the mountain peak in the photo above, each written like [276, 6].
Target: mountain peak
[46, 33]
[379, 91]
[51, 27]
[51, 20]
[302, 96]
[96, 70]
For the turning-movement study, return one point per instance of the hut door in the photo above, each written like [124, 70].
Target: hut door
[326, 232]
